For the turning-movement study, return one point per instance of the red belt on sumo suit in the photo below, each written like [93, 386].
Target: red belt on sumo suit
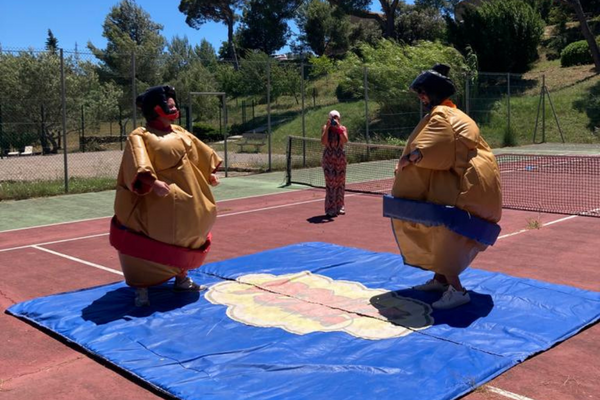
[140, 246]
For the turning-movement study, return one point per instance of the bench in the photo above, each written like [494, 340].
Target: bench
[27, 151]
[257, 140]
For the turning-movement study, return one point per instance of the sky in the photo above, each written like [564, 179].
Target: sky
[24, 24]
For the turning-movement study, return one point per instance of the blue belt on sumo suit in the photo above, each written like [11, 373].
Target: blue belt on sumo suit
[431, 214]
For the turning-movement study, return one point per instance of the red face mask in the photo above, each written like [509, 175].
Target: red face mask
[161, 113]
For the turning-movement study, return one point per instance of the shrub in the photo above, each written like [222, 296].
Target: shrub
[206, 132]
[347, 90]
[504, 34]
[577, 53]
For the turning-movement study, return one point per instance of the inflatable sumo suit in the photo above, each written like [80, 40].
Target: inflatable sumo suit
[455, 185]
[160, 237]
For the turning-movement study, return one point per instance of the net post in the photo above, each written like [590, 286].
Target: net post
[288, 167]
[303, 116]
[508, 101]
[544, 108]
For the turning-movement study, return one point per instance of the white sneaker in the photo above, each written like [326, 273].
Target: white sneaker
[451, 298]
[342, 211]
[141, 297]
[187, 285]
[431, 286]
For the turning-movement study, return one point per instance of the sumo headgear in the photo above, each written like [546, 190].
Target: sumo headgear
[435, 83]
[153, 103]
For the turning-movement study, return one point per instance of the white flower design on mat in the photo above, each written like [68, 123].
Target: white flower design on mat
[304, 302]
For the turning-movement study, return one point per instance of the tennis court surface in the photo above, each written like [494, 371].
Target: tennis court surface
[538, 259]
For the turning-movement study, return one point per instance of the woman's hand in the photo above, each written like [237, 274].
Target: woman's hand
[403, 162]
[160, 188]
[214, 180]
[411, 158]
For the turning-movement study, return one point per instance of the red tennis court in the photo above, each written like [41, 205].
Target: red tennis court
[36, 262]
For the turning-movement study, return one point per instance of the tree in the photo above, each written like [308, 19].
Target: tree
[446, 7]
[415, 23]
[34, 79]
[129, 29]
[52, 43]
[504, 34]
[323, 28]
[180, 55]
[360, 8]
[207, 54]
[585, 30]
[199, 12]
[264, 26]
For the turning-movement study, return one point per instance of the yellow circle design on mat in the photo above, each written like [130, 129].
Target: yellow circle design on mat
[304, 302]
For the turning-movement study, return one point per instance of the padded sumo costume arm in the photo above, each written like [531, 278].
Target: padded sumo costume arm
[436, 142]
[136, 162]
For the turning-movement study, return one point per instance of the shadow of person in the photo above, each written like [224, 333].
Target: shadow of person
[393, 306]
[119, 304]
[320, 219]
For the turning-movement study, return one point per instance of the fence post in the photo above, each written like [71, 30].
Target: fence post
[133, 90]
[366, 84]
[121, 127]
[64, 117]
[269, 108]
[303, 119]
[225, 134]
[1, 135]
[82, 136]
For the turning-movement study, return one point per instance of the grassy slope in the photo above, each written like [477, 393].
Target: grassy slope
[567, 86]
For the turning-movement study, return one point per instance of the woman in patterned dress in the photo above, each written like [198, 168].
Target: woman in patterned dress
[333, 137]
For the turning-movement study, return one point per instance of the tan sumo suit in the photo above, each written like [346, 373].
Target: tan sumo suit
[457, 169]
[160, 237]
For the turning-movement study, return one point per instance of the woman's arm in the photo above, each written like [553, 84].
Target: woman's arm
[324, 131]
[343, 135]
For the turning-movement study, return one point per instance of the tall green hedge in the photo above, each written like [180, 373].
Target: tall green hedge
[504, 34]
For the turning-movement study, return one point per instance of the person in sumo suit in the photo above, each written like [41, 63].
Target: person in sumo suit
[446, 162]
[164, 207]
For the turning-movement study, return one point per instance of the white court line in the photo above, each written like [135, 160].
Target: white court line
[110, 216]
[218, 216]
[53, 242]
[114, 271]
[507, 394]
[54, 224]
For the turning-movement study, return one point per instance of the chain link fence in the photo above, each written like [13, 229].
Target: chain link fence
[65, 115]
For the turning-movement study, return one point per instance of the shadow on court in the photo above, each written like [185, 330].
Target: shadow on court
[119, 304]
[320, 219]
[389, 305]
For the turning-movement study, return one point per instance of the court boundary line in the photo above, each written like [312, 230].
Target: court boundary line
[90, 264]
[266, 209]
[110, 216]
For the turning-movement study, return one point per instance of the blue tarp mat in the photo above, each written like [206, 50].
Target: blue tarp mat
[316, 321]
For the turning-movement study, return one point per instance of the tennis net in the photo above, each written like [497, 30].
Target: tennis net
[543, 183]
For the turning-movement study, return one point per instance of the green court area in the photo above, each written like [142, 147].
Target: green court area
[75, 207]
